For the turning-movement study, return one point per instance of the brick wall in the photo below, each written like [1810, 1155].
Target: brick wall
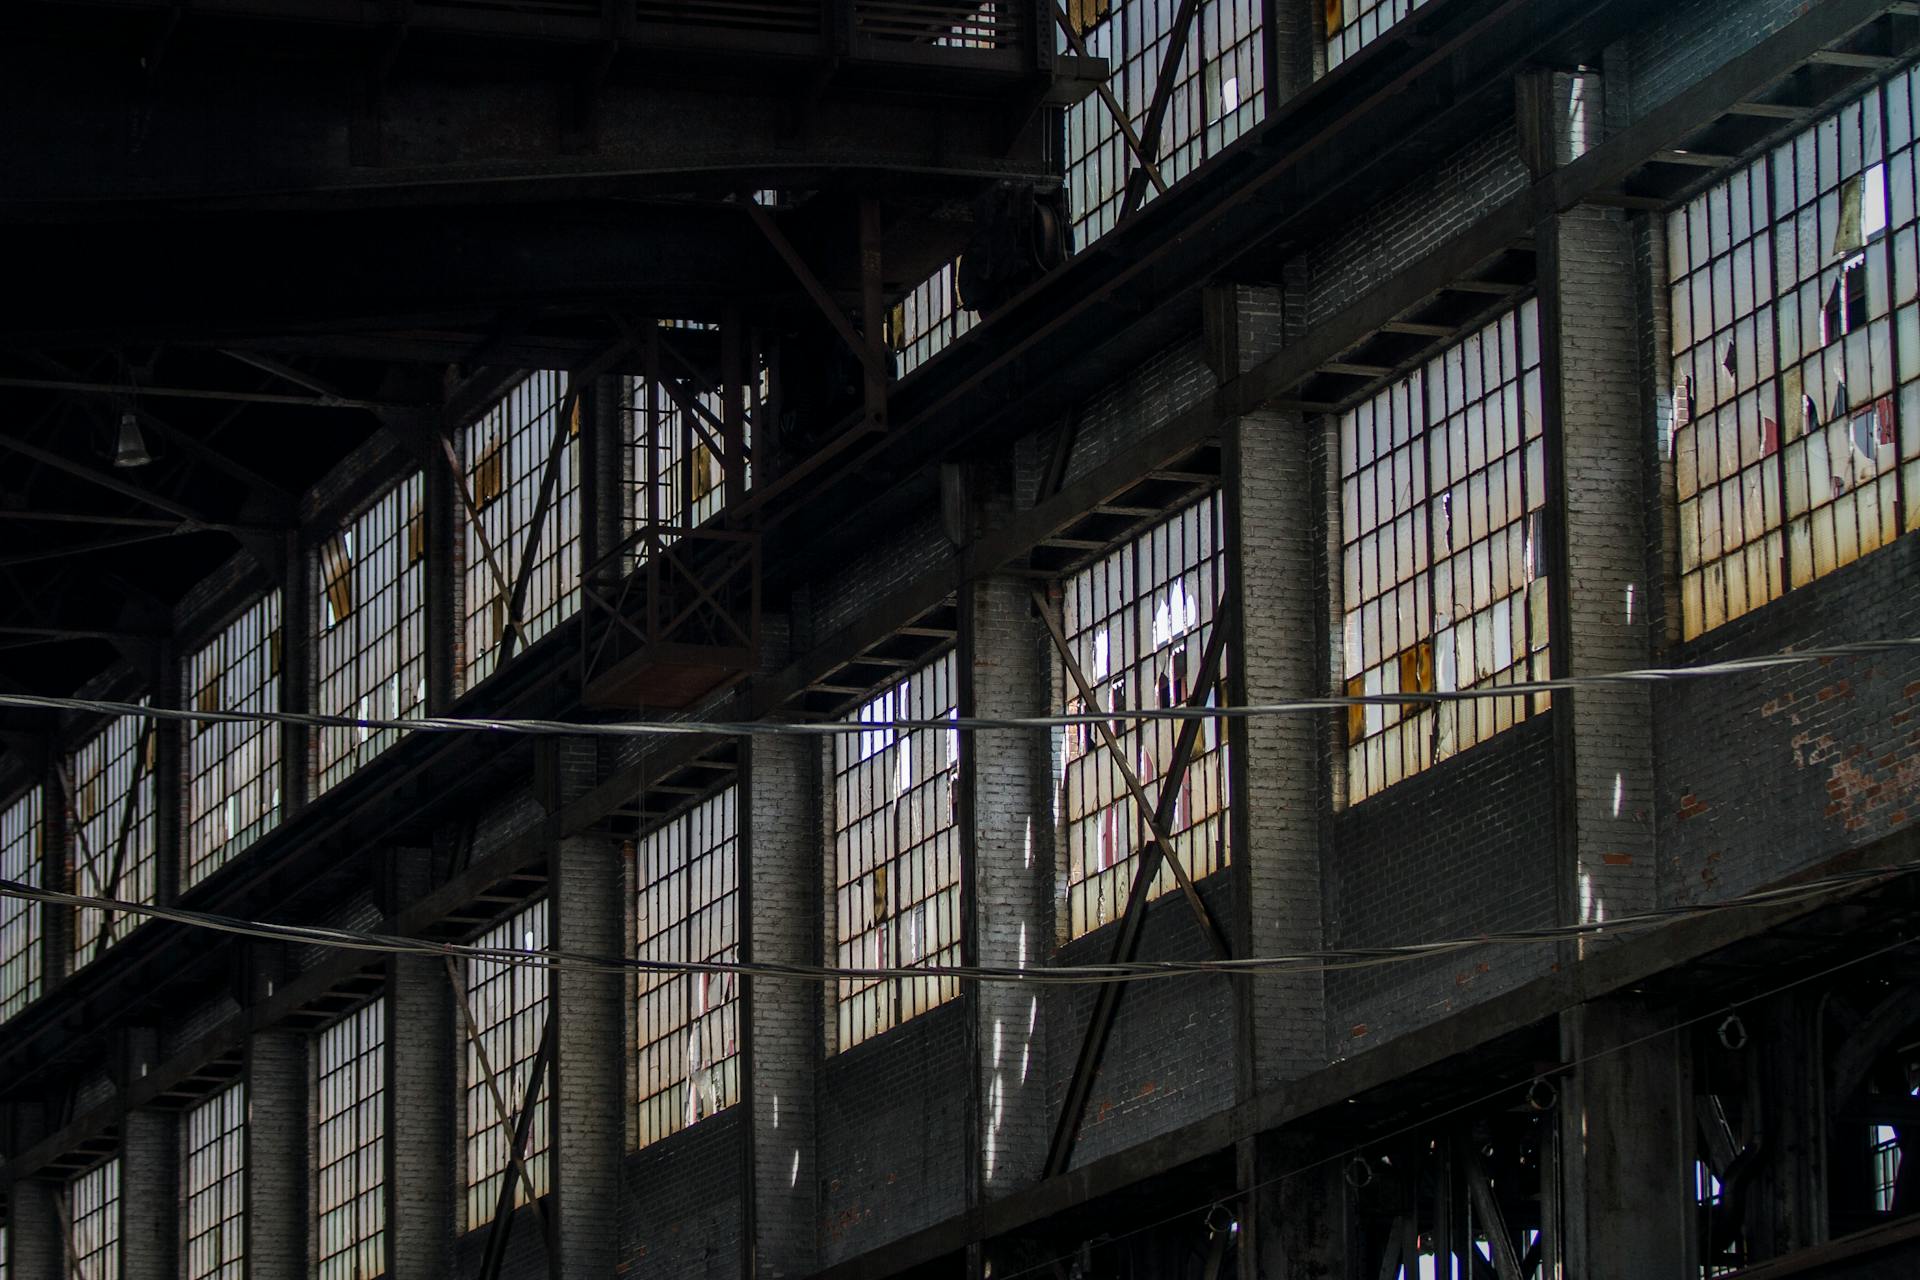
[680, 1212]
[1464, 847]
[1765, 775]
[874, 1187]
[1693, 37]
[1170, 1060]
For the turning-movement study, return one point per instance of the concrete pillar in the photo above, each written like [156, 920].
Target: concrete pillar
[1591, 387]
[1273, 656]
[276, 1156]
[1004, 671]
[444, 630]
[56, 873]
[149, 1195]
[169, 780]
[589, 1087]
[420, 1104]
[780, 879]
[1625, 1151]
[603, 469]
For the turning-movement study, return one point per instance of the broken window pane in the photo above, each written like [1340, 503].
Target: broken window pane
[896, 854]
[1812, 407]
[1446, 621]
[350, 1146]
[21, 963]
[215, 1186]
[509, 451]
[370, 660]
[1138, 622]
[509, 1003]
[233, 788]
[687, 876]
[113, 827]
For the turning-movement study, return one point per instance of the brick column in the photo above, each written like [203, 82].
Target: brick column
[1625, 1155]
[589, 1089]
[1590, 349]
[33, 1220]
[420, 1105]
[149, 1195]
[1272, 656]
[780, 879]
[278, 1209]
[1005, 672]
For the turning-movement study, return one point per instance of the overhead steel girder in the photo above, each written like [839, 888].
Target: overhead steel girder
[329, 120]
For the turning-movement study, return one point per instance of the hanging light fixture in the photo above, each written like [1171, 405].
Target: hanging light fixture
[130, 449]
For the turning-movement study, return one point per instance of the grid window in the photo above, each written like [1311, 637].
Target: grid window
[1796, 345]
[113, 811]
[350, 1150]
[509, 1004]
[370, 602]
[216, 1171]
[20, 925]
[1886, 1166]
[1443, 524]
[679, 478]
[927, 319]
[507, 453]
[688, 877]
[1138, 622]
[896, 854]
[1353, 24]
[1217, 96]
[94, 1209]
[234, 793]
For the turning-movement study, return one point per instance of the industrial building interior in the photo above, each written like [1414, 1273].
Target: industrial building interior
[980, 639]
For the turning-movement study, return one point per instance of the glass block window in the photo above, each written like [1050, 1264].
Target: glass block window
[233, 792]
[215, 1186]
[1796, 345]
[688, 876]
[370, 604]
[1138, 622]
[509, 1004]
[93, 1207]
[1353, 24]
[506, 453]
[1443, 531]
[896, 854]
[113, 830]
[927, 319]
[20, 924]
[1217, 95]
[350, 1240]
[678, 476]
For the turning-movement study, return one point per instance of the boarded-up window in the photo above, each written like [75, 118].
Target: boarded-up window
[896, 855]
[233, 787]
[1138, 622]
[1796, 342]
[1442, 498]
[688, 912]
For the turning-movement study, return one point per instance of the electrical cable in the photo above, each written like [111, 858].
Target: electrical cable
[1318, 961]
[833, 728]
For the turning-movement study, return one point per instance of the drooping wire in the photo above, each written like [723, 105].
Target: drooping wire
[821, 729]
